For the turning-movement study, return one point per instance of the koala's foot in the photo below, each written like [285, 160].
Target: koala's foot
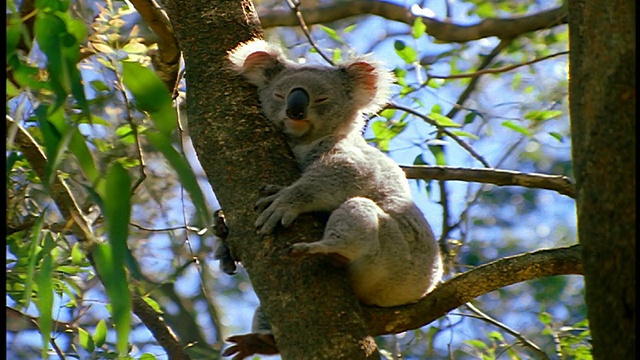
[310, 249]
[250, 344]
[222, 252]
[227, 263]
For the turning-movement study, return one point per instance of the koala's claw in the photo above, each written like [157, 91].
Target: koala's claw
[264, 202]
[269, 189]
[249, 344]
[299, 249]
[272, 216]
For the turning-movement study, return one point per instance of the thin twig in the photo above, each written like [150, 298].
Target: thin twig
[134, 129]
[430, 121]
[526, 342]
[496, 70]
[295, 7]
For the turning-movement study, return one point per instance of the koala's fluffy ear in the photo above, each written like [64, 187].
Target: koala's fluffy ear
[258, 61]
[370, 84]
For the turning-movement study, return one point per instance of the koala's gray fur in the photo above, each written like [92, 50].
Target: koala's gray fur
[391, 251]
[391, 254]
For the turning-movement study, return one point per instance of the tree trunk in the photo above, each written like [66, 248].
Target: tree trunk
[603, 125]
[313, 312]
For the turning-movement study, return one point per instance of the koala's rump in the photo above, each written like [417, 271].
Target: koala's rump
[406, 267]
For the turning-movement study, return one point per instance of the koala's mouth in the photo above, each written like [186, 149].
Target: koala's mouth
[297, 127]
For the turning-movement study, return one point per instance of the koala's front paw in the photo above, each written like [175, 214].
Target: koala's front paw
[268, 193]
[276, 213]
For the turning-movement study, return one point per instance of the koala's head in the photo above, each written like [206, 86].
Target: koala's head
[308, 102]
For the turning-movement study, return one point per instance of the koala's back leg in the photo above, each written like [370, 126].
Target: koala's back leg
[351, 232]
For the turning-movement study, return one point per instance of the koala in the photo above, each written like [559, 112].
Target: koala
[374, 228]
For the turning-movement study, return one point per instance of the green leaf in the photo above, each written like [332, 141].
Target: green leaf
[110, 258]
[337, 55]
[12, 90]
[76, 28]
[56, 142]
[52, 5]
[442, 120]
[147, 356]
[151, 95]
[476, 344]
[349, 28]
[85, 340]
[496, 336]
[435, 83]
[332, 34]
[517, 80]
[465, 134]
[11, 161]
[187, 178]
[100, 335]
[72, 139]
[152, 303]
[44, 302]
[557, 136]
[486, 10]
[126, 134]
[28, 76]
[400, 74]
[545, 317]
[385, 131]
[438, 153]
[406, 53]
[117, 208]
[387, 113]
[36, 237]
[419, 160]
[542, 115]
[135, 48]
[15, 29]
[99, 86]
[63, 53]
[468, 119]
[111, 271]
[79, 148]
[418, 28]
[513, 126]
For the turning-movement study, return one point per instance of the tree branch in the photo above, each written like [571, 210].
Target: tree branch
[503, 28]
[558, 183]
[161, 332]
[467, 286]
[166, 61]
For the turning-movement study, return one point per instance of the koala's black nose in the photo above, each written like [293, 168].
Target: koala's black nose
[297, 104]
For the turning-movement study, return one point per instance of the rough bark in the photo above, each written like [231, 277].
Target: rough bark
[602, 104]
[313, 313]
